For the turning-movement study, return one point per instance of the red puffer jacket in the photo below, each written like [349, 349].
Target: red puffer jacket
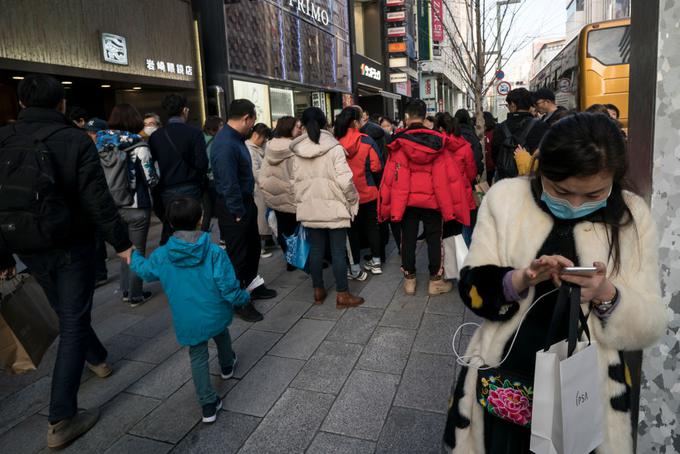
[363, 159]
[421, 172]
[462, 153]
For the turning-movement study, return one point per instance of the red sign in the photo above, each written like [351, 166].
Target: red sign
[394, 2]
[437, 26]
[503, 88]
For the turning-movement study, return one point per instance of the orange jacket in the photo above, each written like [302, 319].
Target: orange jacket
[364, 160]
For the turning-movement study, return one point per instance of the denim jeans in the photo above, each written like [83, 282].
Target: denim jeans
[67, 277]
[183, 190]
[200, 369]
[137, 220]
[338, 245]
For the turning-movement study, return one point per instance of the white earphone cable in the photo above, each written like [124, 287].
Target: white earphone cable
[463, 359]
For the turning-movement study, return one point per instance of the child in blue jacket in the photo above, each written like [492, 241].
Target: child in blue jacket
[202, 290]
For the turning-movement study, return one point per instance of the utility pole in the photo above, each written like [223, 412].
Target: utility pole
[499, 21]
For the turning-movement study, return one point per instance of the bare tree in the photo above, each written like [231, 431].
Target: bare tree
[478, 47]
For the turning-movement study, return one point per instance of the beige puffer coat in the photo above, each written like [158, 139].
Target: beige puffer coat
[276, 176]
[324, 192]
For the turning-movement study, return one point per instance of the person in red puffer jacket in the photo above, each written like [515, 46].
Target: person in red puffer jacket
[461, 152]
[422, 181]
[363, 157]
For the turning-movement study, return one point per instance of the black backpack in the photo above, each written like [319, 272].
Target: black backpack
[34, 215]
[506, 167]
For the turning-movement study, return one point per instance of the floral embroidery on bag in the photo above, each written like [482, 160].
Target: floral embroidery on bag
[507, 400]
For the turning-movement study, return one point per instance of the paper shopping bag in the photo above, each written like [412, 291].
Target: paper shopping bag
[567, 416]
[455, 253]
[29, 324]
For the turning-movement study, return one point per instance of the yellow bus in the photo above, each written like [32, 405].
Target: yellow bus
[592, 69]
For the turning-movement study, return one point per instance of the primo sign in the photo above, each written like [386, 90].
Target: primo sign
[309, 9]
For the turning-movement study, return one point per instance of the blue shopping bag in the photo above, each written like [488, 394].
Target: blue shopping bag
[298, 248]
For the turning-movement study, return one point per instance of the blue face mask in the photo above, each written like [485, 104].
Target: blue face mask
[564, 210]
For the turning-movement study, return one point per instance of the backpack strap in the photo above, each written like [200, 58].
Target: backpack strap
[506, 131]
[525, 132]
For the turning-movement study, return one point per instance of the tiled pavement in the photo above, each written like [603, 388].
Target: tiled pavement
[309, 378]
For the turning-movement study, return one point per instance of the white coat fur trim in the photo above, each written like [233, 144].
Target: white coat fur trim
[510, 230]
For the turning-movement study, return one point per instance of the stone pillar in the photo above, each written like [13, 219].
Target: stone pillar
[658, 429]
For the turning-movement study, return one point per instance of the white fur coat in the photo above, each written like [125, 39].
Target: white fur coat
[510, 230]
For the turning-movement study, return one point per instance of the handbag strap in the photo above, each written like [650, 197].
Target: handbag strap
[568, 302]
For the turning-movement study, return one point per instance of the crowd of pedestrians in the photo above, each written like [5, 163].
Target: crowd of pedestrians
[347, 185]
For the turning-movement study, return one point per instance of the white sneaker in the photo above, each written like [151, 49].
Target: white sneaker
[362, 276]
[373, 268]
[265, 254]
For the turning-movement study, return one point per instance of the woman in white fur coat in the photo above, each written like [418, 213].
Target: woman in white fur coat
[574, 211]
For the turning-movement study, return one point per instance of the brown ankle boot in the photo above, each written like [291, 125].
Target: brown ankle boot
[346, 299]
[319, 295]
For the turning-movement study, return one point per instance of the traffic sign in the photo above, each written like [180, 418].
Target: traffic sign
[503, 88]
[500, 75]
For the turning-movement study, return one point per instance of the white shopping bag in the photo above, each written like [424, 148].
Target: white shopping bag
[455, 253]
[568, 412]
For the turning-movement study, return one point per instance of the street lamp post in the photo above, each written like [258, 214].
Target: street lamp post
[500, 3]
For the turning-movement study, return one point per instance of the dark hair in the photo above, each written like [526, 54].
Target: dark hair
[285, 126]
[239, 108]
[416, 109]
[614, 108]
[463, 117]
[430, 118]
[544, 93]
[261, 130]
[314, 120]
[344, 121]
[445, 121]
[584, 144]
[76, 113]
[174, 104]
[520, 97]
[39, 90]
[375, 117]
[387, 119]
[598, 108]
[489, 121]
[125, 117]
[212, 125]
[184, 213]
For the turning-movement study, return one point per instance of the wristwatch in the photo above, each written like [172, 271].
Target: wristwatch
[604, 306]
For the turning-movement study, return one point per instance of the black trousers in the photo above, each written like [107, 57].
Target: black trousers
[241, 238]
[208, 201]
[365, 225]
[67, 277]
[432, 223]
[286, 224]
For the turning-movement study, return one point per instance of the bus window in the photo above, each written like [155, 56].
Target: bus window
[610, 46]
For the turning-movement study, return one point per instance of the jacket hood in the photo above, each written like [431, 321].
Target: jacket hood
[421, 146]
[256, 148]
[373, 130]
[278, 150]
[109, 140]
[188, 248]
[303, 147]
[351, 142]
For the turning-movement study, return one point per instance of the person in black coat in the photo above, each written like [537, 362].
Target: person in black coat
[179, 150]
[544, 100]
[66, 272]
[467, 130]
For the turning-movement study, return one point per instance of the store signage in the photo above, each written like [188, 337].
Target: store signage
[370, 72]
[397, 78]
[169, 67]
[114, 48]
[309, 9]
[429, 88]
[396, 31]
[396, 47]
[437, 26]
[398, 16]
[401, 62]
[403, 88]
[395, 2]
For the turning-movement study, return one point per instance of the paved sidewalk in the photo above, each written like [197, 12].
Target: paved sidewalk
[309, 378]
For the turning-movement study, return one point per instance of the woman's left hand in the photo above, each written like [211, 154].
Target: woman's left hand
[595, 287]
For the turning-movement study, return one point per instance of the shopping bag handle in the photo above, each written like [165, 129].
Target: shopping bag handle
[568, 300]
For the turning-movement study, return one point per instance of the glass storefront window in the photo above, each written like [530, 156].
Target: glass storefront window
[282, 103]
[258, 94]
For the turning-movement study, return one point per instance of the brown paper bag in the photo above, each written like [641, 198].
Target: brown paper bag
[28, 324]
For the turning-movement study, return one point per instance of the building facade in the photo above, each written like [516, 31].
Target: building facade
[104, 53]
[283, 55]
[583, 12]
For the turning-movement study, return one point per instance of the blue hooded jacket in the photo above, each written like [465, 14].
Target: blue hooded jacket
[199, 280]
